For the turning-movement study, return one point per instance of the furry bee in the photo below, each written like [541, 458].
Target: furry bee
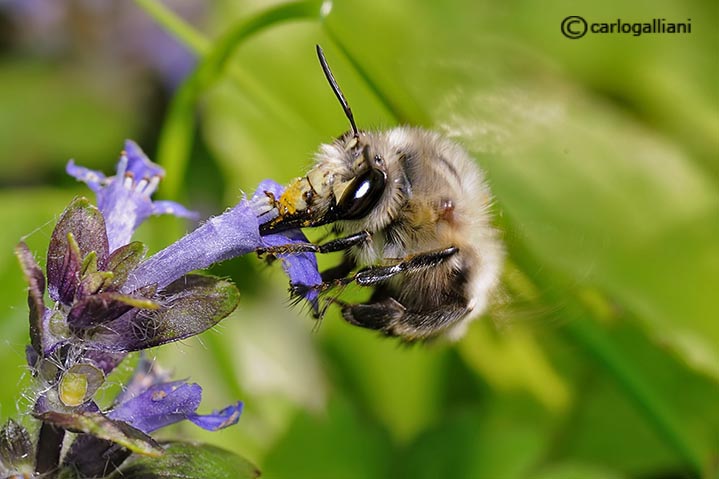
[411, 211]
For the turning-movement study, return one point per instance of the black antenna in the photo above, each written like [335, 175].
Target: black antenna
[336, 89]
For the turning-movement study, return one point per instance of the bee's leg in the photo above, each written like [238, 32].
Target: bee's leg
[375, 274]
[384, 313]
[339, 244]
[340, 271]
[393, 319]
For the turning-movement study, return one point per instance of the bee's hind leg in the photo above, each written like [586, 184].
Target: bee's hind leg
[391, 318]
[376, 274]
[384, 313]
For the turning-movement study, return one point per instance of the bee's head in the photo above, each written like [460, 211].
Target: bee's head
[346, 183]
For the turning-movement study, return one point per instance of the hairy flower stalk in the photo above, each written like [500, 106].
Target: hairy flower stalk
[106, 300]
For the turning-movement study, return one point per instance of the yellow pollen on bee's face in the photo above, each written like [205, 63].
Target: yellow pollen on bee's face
[293, 199]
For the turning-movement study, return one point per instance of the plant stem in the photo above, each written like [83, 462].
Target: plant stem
[49, 446]
[175, 26]
[179, 127]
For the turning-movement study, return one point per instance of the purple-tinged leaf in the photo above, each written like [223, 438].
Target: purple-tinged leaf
[190, 305]
[16, 448]
[103, 427]
[36, 289]
[87, 226]
[71, 270]
[123, 261]
[96, 309]
[105, 360]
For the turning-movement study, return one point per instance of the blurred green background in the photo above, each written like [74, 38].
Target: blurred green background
[601, 356]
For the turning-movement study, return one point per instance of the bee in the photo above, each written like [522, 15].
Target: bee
[411, 211]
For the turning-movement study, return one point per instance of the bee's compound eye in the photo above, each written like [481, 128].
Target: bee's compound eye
[361, 195]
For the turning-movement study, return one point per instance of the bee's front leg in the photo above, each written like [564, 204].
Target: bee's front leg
[340, 244]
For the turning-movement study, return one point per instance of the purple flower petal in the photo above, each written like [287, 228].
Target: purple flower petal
[164, 404]
[300, 268]
[140, 167]
[218, 419]
[124, 199]
[174, 209]
[159, 406]
[147, 373]
[233, 233]
[95, 180]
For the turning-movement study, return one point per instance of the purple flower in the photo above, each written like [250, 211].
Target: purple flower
[149, 402]
[124, 199]
[93, 313]
[108, 300]
[233, 233]
[167, 403]
[93, 323]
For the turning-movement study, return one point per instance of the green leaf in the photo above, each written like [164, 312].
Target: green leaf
[102, 427]
[190, 305]
[481, 441]
[188, 461]
[176, 138]
[339, 443]
[76, 115]
[195, 303]
[575, 471]
[656, 429]
[123, 260]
